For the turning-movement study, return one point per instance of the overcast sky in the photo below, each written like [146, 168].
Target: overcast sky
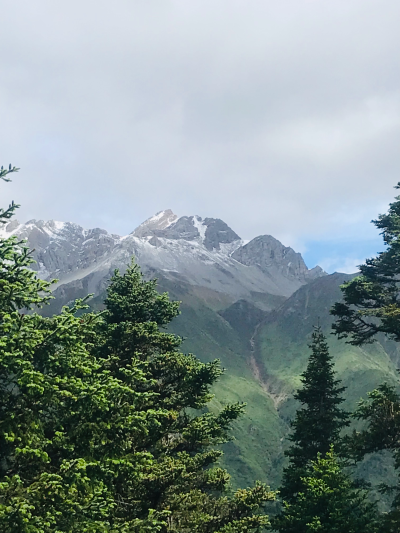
[281, 117]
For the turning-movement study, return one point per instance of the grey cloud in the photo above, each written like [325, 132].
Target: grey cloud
[271, 115]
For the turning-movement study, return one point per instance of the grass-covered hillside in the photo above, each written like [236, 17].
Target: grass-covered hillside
[263, 354]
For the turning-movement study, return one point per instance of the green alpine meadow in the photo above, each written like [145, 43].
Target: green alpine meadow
[181, 380]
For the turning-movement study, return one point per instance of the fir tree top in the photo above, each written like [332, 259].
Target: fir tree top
[320, 418]
[318, 423]
[328, 502]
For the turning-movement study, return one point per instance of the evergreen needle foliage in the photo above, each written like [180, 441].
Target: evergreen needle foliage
[320, 418]
[103, 421]
[371, 301]
[372, 305]
[318, 496]
[328, 503]
[381, 414]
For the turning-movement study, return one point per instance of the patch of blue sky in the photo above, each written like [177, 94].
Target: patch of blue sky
[342, 255]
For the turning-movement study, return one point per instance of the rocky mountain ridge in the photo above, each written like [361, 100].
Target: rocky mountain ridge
[203, 252]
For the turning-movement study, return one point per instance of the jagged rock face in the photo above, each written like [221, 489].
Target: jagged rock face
[183, 228]
[314, 273]
[217, 233]
[205, 253]
[212, 232]
[62, 247]
[270, 255]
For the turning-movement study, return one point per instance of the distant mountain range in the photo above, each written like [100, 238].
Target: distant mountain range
[251, 304]
[202, 252]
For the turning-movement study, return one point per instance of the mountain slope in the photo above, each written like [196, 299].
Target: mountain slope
[281, 354]
[252, 305]
[282, 340]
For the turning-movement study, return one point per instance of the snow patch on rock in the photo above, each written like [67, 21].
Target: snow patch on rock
[200, 226]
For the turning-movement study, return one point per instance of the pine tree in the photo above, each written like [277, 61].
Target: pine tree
[371, 303]
[59, 411]
[381, 416]
[318, 422]
[318, 496]
[182, 444]
[100, 428]
[328, 503]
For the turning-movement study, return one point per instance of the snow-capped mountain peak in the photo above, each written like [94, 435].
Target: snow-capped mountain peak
[202, 252]
[160, 221]
[210, 232]
[48, 228]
